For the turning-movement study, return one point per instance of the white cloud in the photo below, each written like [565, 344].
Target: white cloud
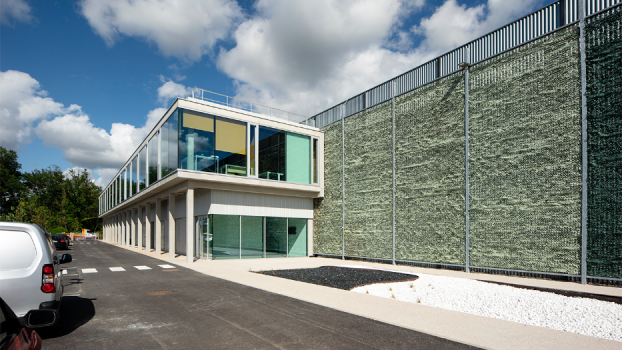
[25, 109]
[186, 29]
[23, 103]
[453, 25]
[17, 10]
[170, 90]
[307, 56]
[304, 56]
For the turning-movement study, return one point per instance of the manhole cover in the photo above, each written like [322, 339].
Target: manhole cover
[159, 292]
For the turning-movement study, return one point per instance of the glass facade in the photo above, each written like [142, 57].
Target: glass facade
[168, 145]
[142, 171]
[244, 237]
[212, 144]
[153, 159]
[202, 142]
[271, 154]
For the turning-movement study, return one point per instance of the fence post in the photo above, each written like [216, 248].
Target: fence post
[583, 143]
[343, 184]
[393, 163]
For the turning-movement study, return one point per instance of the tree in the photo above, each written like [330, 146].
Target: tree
[10, 184]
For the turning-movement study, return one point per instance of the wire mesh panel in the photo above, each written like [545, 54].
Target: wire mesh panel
[603, 36]
[368, 180]
[430, 173]
[525, 165]
[327, 211]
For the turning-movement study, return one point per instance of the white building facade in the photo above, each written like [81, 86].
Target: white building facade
[213, 181]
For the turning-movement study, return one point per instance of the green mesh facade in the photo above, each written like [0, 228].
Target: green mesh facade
[327, 234]
[430, 173]
[368, 173]
[525, 157]
[603, 37]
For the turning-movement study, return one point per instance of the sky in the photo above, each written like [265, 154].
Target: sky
[83, 82]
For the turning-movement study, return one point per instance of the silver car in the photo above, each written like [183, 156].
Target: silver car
[30, 272]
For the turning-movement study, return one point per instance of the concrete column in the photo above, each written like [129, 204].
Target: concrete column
[118, 229]
[190, 224]
[147, 227]
[171, 225]
[128, 230]
[134, 228]
[139, 226]
[158, 227]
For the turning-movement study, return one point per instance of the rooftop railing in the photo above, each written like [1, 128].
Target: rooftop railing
[233, 102]
[526, 29]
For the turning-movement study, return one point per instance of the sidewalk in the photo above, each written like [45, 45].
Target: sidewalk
[464, 328]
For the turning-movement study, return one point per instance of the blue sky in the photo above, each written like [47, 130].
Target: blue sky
[82, 82]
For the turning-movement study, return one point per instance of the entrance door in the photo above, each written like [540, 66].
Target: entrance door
[202, 239]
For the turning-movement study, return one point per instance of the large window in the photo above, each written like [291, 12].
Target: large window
[134, 179]
[153, 159]
[271, 154]
[142, 171]
[212, 144]
[168, 145]
[225, 231]
[315, 178]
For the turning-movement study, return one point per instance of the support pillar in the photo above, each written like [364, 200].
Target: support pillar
[158, 227]
[128, 231]
[147, 227]
[171, 225]
[190, 224]
[139, 227]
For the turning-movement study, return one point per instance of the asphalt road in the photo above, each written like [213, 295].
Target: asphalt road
[177, 308]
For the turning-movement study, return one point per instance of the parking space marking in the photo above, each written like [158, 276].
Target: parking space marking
[143, 267]
[116, 269]
[89, 270]
[167, 266]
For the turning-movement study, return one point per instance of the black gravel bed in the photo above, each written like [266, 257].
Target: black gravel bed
[340, 277]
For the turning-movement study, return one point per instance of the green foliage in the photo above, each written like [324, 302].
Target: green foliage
[57, 230]
[10, 185]
[47, 197]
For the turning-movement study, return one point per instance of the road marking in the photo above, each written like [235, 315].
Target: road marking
[143, 267]
[89, 270]
[64, 272]
[116, 269]
[167, 266]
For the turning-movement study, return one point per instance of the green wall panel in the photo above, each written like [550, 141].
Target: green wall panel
[430, 173]
[368, 172]
[298, 162]
[525, 157]
[604, 93]
[327, 234]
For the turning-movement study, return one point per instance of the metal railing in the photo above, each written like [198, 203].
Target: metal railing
[533, 26]
[233, 102]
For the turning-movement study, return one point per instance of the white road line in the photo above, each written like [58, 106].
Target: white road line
[64, 272]
[143, 267]
[167, 266]
[116, 269]
[89, 270]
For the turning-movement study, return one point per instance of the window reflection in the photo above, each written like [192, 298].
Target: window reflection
[271, 154]
[153, 159]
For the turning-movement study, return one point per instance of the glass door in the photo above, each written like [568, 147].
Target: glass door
[203, 239]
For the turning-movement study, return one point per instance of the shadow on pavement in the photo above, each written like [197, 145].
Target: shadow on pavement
[74, 313]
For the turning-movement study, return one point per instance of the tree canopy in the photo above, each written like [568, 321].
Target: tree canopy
[48, 197]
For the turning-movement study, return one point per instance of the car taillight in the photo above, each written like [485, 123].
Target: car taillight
[62, 240]
[47, 283]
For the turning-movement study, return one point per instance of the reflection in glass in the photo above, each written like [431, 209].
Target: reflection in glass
[142, 168]
[153, 159]
[315, 161]
[252, 237]
[212, 144]
[168, 145]
[225, 230]
[276, 237]
[271, 154]
[134, 176]
[297, 237]
[252, 142]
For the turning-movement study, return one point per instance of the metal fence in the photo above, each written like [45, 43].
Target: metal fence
[526, 29]
[229, 101]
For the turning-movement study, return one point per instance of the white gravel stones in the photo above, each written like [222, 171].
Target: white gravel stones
[578, 315]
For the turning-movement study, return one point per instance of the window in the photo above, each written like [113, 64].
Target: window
[168, 145]
[142, 169]
[134, 179]
[153, 159]
[315, 178]
[271, 154]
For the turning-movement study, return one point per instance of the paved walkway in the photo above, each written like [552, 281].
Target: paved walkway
[464, 328]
